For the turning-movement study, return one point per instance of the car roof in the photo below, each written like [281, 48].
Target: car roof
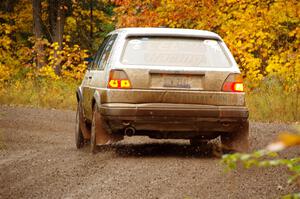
[166, 32]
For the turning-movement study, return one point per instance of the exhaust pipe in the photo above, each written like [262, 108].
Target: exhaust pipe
[129, 131]
[225, 124]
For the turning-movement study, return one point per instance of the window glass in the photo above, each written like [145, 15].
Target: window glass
[174, 51]
[99, 52]
[102, 61]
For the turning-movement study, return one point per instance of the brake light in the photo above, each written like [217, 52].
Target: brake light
[118, 79]
[238, 86]
[233, 83]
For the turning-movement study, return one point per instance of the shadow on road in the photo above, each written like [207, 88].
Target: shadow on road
[163, 150]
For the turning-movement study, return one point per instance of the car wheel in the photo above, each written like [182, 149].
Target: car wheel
[79, 140]
[94, 129]
[237, 141]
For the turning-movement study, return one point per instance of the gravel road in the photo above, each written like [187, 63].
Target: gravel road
[38, 159]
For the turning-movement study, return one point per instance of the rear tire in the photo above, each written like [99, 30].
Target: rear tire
[94, 129]
[237, 141]
[79, 140]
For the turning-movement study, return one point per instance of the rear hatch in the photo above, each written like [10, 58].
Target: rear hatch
[175, 63]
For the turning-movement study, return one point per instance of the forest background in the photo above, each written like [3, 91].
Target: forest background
[44, 44]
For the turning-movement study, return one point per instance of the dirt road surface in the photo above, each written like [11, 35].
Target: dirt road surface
[38, 159]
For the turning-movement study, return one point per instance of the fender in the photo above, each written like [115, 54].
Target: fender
[79, 98]
[86, 132]
[97, 99]
[79, 94]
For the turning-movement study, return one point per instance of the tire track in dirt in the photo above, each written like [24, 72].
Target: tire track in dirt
[38, 159]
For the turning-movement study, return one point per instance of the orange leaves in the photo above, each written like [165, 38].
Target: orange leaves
[284, 140]
[264, 36]
[255, 31]
[169, 13]
[259, 31]
[137, 13]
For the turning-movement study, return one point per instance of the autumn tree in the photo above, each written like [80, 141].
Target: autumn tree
[56, 16]
[263, 35]
[7, 5]
[88, 29]
[38, 32]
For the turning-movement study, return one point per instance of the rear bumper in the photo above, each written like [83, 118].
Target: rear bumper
[176, 110]
[174, 117]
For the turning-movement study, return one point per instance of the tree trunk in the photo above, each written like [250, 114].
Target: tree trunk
[8, 5]
[57, 11]
[60, 23]
[37, 30]
[52, 15]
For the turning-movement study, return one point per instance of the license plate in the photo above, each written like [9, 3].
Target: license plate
[176, 81]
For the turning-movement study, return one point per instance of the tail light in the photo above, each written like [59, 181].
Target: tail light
[118, 79]
[233, 83]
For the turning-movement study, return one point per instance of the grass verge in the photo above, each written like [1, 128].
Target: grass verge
[59, 94]
[271, 102]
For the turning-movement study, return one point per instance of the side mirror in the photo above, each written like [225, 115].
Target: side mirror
[89, 60]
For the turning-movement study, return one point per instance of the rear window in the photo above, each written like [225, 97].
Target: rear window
[170, 51]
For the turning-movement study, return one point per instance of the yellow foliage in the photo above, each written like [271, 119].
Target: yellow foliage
[70, 58]
[15, 56]
[5, 73]
[264, 36]
[48, 72]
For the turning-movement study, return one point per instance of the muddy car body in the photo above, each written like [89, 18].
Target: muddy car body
[162, 83]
